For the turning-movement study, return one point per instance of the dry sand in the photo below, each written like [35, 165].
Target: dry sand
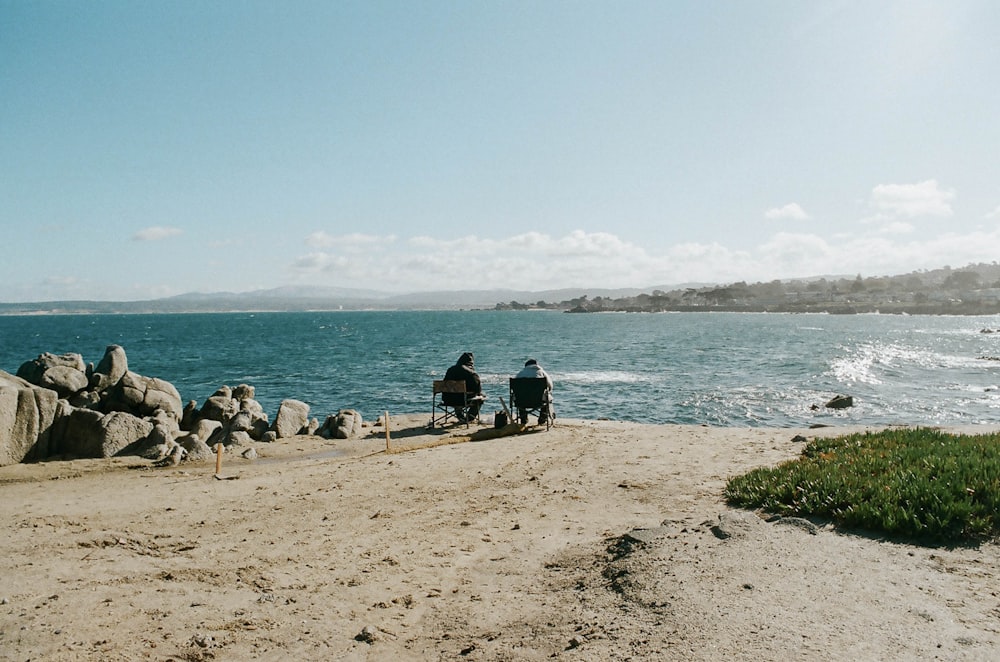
[516, 548]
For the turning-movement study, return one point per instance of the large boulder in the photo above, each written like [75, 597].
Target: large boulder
[197, 450]
[26, 416]
[220, 406]
[161, 395]
[89, 433]
[143, 396]
[33, 370]
[111, 368]
[345, 424]
[64, 380]
[66, 374]
[291, 419]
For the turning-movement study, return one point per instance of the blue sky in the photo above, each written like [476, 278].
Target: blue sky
[151, 149]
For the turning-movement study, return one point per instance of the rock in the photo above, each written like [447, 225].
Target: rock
[799, 439]
[111, 368]
[119, 430]
[205, 428]
[250, 454]
[840, 402]
[349, 424]
[220, 406]
[368, 635]
[143, 396]
[241, 422]
[86, 400]
[735, 523]
[159, 443]
[27, 413]
[197, 449]
[89, 433]
[269, 437]
[243, 392]
[237, 439]
[190, 415]
[292, 418]
[345, 424]
[799, 523]
[312, 426]
[173, 458]
[33, 371]
[646, 535]
[161, 395]
[64, 380]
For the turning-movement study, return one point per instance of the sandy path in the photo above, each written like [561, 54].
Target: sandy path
[507, 549]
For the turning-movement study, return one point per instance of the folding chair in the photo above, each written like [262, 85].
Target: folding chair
[442, 411]
[531, 394]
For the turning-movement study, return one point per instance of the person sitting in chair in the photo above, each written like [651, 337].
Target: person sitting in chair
[464, 370]
[532, 370]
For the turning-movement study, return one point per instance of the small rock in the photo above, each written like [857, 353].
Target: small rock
[840, 402]
[368, 635]
[799, 439]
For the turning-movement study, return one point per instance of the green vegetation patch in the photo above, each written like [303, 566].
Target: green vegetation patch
[920, 484]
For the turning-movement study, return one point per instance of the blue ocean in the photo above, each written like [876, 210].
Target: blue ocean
[720, 369]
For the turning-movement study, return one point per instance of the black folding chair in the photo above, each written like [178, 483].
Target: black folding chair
[457, 401]
[532, 395]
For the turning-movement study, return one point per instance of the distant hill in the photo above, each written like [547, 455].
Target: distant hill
[975, 286]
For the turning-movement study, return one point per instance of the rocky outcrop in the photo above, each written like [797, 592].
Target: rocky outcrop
[26, 416]
[58, 405]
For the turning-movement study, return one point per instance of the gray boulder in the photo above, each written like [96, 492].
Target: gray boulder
[64, 380]
[162, 395]
[89, 433]
[237, 438]
[143, 396]
[291, 419]
[221, 406]
[34, 370]
[205, 428]
[27, 413]
[345, 424]
[111, 368]
[243, 392]
[197, 450]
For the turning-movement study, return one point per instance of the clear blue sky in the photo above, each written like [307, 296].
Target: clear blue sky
[154, 148]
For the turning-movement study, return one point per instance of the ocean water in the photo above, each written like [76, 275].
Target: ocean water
[724, 369]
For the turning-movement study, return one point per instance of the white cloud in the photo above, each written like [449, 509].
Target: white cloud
[536, 261]
[993, 214]
[350, 241]
[791, 211]
[156, 233]
[911, 200]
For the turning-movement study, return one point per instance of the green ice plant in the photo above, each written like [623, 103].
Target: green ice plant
[920, 484]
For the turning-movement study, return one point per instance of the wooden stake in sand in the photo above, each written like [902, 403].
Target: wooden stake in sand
[218, 460]
[387, 431]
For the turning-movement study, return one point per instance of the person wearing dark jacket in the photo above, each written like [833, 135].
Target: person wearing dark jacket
[465, 370]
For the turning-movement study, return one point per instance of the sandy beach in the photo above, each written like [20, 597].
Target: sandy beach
[595, 540]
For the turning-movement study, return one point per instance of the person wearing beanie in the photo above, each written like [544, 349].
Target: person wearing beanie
[465, 370]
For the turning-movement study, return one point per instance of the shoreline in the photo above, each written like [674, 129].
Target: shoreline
[596, 540]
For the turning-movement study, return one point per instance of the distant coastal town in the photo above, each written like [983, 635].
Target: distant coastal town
[970, 290]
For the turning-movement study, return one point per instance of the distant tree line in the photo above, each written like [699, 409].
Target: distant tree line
[970, 290]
